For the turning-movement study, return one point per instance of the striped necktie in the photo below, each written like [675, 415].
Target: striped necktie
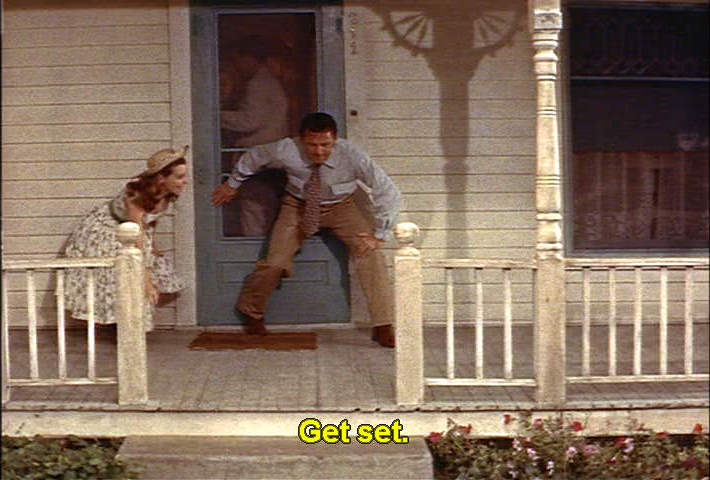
[311, 195]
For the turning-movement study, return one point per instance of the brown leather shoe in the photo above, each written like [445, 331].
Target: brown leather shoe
[384, 335]
[254, 326]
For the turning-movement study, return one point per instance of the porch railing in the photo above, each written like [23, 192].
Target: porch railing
[688, 266]
[131, 346]
[479, 266]
[409, 332]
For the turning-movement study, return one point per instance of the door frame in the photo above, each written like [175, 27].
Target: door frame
[204, 101]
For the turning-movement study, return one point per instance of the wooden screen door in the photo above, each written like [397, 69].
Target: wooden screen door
[256, 71]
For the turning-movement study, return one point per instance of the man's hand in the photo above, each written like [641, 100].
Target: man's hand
[370, 240]
[223, 194]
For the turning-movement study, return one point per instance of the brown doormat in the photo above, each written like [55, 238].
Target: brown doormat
[242, 341]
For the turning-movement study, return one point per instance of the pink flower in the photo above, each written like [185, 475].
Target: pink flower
[466, 429]
[629, 445]
[435, 437]
[698, 428]
[506, 419]
[590, 449]
[620, 442]
[532, 454]
[571, 452]
[576, 426]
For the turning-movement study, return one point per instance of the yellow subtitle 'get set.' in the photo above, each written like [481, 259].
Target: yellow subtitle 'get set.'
[311, 430]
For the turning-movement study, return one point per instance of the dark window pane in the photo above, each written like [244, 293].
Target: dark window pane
[640, 144]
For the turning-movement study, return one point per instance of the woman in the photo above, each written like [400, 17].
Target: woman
[143, 200]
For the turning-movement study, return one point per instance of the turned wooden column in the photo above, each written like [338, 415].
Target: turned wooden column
[550, 281]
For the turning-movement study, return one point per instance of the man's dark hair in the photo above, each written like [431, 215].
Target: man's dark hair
[318, 122]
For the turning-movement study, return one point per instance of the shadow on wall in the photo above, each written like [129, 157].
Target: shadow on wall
[453, 37]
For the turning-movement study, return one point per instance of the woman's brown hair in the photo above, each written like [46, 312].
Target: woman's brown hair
[144, 190]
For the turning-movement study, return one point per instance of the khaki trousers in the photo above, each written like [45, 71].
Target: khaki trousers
[346, 221]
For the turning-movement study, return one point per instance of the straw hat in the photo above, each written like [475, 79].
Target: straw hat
[162, 158]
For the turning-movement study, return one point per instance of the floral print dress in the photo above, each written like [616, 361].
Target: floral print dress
[95, 236]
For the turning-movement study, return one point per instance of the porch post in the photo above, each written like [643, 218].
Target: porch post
[550, 282]
[131, 345]
[409, 354]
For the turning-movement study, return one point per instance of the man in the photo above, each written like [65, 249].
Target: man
[260, 116]
[322, 172]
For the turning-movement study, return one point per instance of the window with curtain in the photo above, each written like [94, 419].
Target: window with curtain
[639, 92]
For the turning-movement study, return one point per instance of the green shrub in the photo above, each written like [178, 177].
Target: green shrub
[550, 449]
[65, 458]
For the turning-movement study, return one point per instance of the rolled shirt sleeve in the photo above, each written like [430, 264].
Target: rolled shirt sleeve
[386, 199]
[253, 161]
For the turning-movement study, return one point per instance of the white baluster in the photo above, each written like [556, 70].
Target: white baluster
[507, 324]
[612, 322]
[586, 299]
[90, 334]
[61, 327]
[689, 320]
[638, 312]
[663, 327]
[478, 273]
[450, 360]
[32, 318]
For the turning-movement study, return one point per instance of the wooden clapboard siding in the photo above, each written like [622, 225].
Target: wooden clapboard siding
[444, 183]
[86, 98]
[451, 220]
[488, 69]
[483, 109]
[100, 55]
[475, 201]
[37, 208]
[105, 169]
[625, 295]
[461, 150]
[88, 35]
[41, 244]
[63, 225]
[381, 144]
[47, 317]
[45, 14]
[61, 152]
[76, 94]
[429, 128]
[78, 114]
[43, 76]
[457, 165]
[84, 132]
[39, 188]
[599, 313]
